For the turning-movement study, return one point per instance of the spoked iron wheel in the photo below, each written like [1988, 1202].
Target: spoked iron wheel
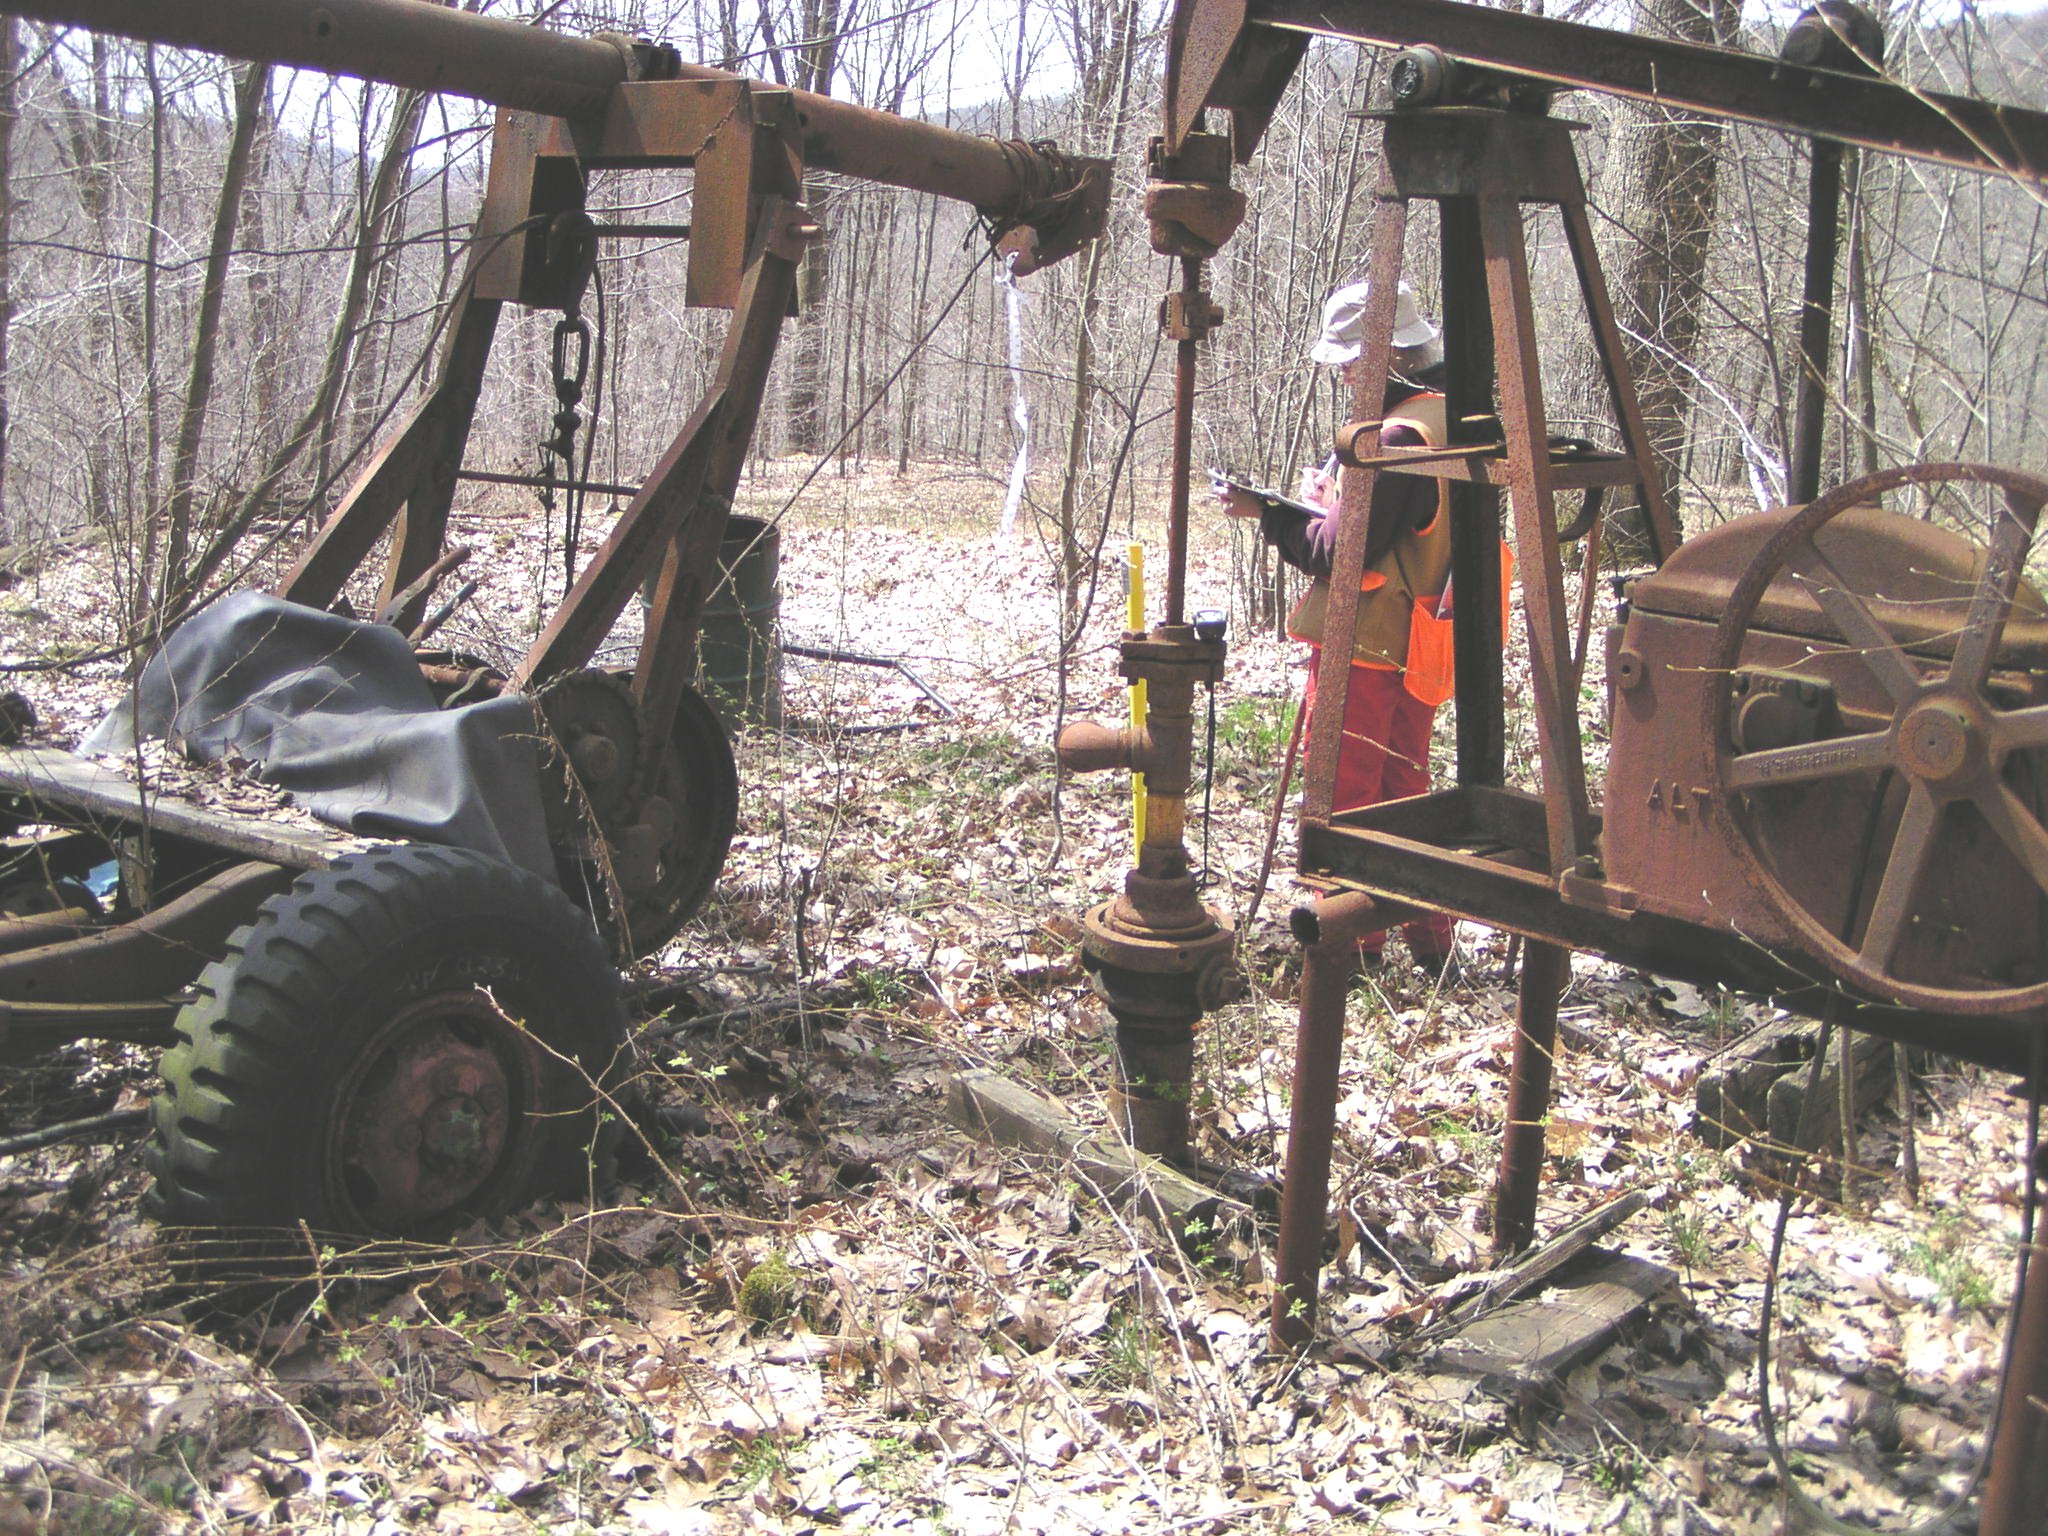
[405, 1040]
[1947, 750]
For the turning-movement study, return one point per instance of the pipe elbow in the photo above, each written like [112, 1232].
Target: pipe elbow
[1087, 746]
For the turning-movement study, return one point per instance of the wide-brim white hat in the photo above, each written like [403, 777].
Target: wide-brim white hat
[1344, 324]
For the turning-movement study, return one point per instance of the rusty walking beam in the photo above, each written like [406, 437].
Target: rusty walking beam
[398, 42]
[1239, 54]
[433, 48]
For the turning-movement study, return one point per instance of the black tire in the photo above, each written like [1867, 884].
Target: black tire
[405, 1040]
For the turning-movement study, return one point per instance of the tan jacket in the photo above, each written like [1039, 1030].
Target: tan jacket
[1417, 563]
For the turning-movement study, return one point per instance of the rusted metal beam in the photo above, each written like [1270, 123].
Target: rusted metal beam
[2016, 1494]
[417, 464]
[430, 47]
[1720, 82]
[1545, 970]
[1328, 932]
[399, 42]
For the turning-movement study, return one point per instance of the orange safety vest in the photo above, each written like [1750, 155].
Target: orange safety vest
[1394, 631]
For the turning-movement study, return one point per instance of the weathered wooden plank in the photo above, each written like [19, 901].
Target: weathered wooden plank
[1787, 1113]
[1541, 1338]
[1531, 1269]
[1204, 1222]
[44, 776]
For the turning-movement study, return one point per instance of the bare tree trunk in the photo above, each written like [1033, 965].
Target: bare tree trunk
[10, 67]
[266, 328]
[913, 375]
[152, 246]
[85, 143]
[250, 98]
[369, 249]
[1669, 184]
[817, 60]
[1107, 77]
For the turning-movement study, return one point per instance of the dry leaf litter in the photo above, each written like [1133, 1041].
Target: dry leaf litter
[810, 1303]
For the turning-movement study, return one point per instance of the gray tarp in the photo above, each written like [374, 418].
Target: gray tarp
[335, 712]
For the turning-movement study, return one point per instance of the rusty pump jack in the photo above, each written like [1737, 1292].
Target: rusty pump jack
[644, 791]
[569, 106]
[1799, 699]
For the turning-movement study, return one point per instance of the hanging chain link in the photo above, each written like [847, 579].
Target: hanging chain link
[570, 361]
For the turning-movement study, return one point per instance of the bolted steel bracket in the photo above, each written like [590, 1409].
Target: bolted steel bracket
[1188, 316]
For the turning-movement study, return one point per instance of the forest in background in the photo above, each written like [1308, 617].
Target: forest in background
[218, 283]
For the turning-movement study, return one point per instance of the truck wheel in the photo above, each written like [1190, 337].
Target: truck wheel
[406, 1039]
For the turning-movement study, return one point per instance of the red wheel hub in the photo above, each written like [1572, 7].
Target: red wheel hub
[425, 1120]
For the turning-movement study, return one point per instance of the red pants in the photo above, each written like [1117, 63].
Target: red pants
[1385, 756]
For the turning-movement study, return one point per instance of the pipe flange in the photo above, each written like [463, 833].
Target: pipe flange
[1108, 942]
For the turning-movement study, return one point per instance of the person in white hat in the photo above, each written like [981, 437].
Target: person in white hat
[1400, 646]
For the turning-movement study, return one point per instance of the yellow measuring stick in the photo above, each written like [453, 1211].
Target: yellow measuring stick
[1136, 621]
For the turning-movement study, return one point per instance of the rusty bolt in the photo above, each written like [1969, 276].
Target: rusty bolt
[596, 756]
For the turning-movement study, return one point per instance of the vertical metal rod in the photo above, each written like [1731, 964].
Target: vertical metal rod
[1475, 507]
[1816, 319]
[1185, 360]
[1545, 968]
[1329, 932]
[1531, 491]
[1347, 559]
[2016, 1493]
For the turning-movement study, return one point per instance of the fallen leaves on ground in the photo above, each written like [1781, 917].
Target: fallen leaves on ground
[810, 1303]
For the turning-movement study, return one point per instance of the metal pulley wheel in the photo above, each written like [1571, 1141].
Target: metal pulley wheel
[1947, 763]
[687, 803]
[642, 832]
[590, 753]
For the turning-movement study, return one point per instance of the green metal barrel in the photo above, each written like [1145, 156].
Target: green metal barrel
[739, 657]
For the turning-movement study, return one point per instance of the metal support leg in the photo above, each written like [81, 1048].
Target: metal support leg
[1329, 932]
[1545, 968]
[2016, 1494]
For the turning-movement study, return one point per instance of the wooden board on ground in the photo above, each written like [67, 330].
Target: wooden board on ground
[1539, 1339]
[1203, 1221]
[67, 783]
[1488, 1291]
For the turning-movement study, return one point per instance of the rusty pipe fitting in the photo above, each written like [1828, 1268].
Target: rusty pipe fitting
[1157, 956]
[1159, 749]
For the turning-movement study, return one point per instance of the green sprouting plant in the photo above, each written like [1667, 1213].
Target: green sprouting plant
[1688, 1234]
[881, 988]
[893, 1465]
[1616, 1469]
[1127, 1352]
[991, 763]
[1941, 1253]
[1250, 732]
[760, 1459]
[770, 1289]
[1724, 1014]
[1458, 1125]
[119, 1515]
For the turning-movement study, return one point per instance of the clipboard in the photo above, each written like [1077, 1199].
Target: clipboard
[1267, 494]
